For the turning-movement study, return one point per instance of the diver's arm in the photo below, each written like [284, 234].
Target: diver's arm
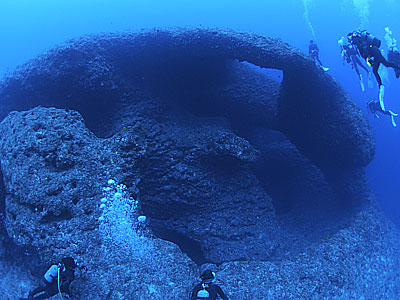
[221, 293]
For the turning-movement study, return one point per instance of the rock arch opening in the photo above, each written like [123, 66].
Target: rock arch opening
[275, 74]
[198, 95]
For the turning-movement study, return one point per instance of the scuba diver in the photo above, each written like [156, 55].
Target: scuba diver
[393, 51]
[374, 107]
[56, 280]
[206, 289]
[368, 47]
[394, 57]
[350, 55]
[313, 52]
[388, 38]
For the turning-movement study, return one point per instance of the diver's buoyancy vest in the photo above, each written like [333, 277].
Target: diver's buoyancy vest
[363, 40]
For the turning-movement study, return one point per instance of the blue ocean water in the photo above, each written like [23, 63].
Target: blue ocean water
[28, 28]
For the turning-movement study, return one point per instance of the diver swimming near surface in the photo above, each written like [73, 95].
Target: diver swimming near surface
[374, 107]
[368, 47]
[313, 52]
[350, 54]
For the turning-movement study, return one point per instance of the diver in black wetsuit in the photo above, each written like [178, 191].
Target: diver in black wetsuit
[206, 289]
[56, 280]
[313, 52]
[375, 58]
[350, 55]
[374, 107]
[368, 47]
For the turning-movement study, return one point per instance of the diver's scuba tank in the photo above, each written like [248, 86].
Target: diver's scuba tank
[372, 41]
[51, 274]
[363, 40]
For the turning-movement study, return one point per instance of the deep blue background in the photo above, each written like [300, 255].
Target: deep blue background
[29, 27]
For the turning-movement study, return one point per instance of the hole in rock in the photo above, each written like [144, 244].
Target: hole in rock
[275, 74]
[188, 246]
[50, 217]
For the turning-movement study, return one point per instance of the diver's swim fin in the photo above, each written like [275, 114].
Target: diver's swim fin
[381, 94]
[393, 122]
[362, 84]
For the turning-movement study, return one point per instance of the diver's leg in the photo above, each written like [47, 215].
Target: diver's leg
[356, 68]
[375, 68]
[358, 62]
[38, 290]
[41, 297]
[370, 83]
[358, 73]
[390, 64]
[381, 59]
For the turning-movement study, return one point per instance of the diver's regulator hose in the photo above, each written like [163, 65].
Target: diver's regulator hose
[58, 282]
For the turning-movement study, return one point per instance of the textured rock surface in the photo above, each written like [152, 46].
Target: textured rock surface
[54, 171]
[96, 71]
[358, 262]
[46, 160]
[228, 164]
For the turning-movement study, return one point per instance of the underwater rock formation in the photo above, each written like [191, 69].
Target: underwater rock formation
[314, 111]
[227, 163]
[55, 169]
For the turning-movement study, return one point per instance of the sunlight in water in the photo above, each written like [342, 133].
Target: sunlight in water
[362, 8]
